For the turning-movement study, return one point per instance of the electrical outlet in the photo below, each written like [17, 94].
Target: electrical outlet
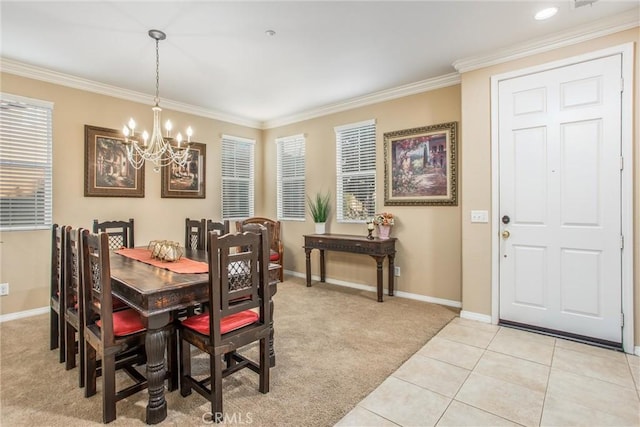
[396, 271]
[4, 289]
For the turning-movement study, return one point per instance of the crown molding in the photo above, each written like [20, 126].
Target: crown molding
[621, 22]
[601, 28]
[373, 98]
[30, 71]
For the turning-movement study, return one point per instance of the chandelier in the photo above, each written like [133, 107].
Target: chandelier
[161, 151]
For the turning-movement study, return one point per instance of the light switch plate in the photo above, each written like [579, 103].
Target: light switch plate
[480, 216]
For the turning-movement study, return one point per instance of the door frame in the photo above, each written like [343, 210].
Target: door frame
[627, 52]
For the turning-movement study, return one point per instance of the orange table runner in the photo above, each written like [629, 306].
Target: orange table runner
[183, 265]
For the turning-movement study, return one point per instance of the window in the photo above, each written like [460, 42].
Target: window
[356, 171]
[25, 163]
[291, 178]
[237, 177]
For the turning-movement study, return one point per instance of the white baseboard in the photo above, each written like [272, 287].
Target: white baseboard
[475, 316]
[401, 294]
[23, 314]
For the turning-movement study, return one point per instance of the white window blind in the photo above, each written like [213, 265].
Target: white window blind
[356, 171]
[237, 177]
[25, 163]
[291, 178]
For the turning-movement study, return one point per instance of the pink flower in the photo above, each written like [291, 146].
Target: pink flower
[384, 218]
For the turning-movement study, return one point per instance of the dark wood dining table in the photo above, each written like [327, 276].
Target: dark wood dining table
[158, 294]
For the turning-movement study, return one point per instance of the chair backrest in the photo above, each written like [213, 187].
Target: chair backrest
[194, 233]
[96, 281]
[120, 232]
[239, 280]
[73, 282]
[221, 226]
[272, 226]
[58, 262]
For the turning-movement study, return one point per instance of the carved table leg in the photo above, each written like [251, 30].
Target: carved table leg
[273, 285]
[379, 261]
[272, 353]
[391, 274]
[307, 255]
[156, 345]
[322, 269]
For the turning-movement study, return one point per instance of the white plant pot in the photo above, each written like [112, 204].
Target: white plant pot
[321, 227]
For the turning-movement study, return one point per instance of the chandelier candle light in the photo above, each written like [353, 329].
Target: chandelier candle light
[161, 151]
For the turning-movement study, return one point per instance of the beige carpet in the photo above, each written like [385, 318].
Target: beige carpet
[333, 345]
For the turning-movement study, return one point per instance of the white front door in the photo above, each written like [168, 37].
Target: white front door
[560, 199]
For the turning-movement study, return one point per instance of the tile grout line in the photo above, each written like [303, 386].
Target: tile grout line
[484, 351]
[597, 378]
[633, 378]
[546, 388]
[579, 402]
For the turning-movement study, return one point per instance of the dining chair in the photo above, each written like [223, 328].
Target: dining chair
[194, 238]
[120, 232]
[56, 300]
[118, 337]
[74, 330]
[276, 253]
[238, 315]
[221, 226]
[194, 231]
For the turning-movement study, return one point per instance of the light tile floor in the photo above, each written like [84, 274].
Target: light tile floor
[475, 374]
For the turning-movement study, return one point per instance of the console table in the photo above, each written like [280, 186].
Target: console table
[377, 248]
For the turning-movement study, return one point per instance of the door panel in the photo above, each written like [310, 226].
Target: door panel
[530, 180]
[581, 145]
[581, 279]
[559, 169]
[530, 277]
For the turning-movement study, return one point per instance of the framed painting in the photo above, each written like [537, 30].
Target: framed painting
[188, 181]
[107, 171]
[420, 166]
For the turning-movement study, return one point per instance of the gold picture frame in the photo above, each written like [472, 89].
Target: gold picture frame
[188, 181]
[107, 171]
[420, 166]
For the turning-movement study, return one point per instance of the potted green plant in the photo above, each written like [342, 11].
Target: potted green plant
[319, 208]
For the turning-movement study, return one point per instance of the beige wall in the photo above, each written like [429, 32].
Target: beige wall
[428, 249]
[476, 169]
[429, 246]
[24, 256]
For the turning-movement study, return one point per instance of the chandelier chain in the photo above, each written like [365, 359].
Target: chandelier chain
[157, 74]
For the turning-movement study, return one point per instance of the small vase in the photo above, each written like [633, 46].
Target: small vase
[320, 227]
[383, 231]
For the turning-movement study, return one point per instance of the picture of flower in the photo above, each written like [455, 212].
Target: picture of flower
[384, 218]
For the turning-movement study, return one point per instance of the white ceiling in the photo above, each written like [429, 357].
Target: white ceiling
[218, 58]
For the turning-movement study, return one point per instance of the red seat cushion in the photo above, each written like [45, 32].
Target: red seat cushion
[125, 322]
[200, 322]
[273, 255]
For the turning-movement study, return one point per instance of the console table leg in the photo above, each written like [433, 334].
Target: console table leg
[307, 255]
[391, 274]
[379, 261]
[322, 270]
